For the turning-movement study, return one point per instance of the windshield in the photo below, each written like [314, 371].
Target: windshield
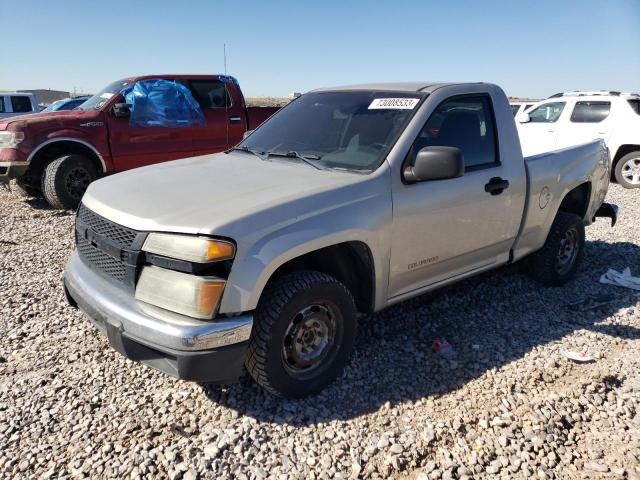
[348, 130]
[103, 96]
[54, 106]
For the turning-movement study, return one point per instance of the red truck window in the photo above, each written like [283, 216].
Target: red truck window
[210, 93]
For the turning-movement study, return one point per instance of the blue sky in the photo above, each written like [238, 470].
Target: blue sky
[275, 47]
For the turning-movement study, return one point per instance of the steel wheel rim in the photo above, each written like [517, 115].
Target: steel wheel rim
[309, 339]
[567, 252]
[631, 171]
[77, 181]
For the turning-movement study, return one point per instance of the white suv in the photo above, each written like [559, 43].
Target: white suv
[572, 118]
[17, 103]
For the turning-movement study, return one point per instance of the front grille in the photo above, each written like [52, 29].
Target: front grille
[119, 234]
[100, 260]
[108, 248]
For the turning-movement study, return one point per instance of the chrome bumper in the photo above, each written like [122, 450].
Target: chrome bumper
[107, 303]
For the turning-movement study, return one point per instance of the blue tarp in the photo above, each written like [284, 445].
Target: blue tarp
[162, 103]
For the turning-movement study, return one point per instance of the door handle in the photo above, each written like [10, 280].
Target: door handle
[234, 119]
[496, 186]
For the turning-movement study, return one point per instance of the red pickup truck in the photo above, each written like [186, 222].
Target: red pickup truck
[57, 154]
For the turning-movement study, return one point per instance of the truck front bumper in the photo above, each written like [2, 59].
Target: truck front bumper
[183, 347]
[10, 170]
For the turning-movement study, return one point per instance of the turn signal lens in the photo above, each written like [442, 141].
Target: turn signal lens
[178, 292]
[189, 248]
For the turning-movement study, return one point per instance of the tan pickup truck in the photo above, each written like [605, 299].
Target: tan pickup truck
[346, 201]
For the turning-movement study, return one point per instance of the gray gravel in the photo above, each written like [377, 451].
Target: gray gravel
[508, 405]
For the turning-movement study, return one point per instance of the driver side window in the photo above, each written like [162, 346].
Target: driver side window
[465, 122]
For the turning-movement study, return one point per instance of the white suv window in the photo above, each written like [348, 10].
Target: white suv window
[547, 113]
[21, 104]
[2, 109]
[590, 112]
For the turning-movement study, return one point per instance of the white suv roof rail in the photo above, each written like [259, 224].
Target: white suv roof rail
[581, 93]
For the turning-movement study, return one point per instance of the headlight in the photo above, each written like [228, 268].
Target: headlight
[188, 248]
[180, 292]
[10, 139]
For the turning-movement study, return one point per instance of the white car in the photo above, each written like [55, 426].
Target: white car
[17, 103]
[573, 118]
[520, 107]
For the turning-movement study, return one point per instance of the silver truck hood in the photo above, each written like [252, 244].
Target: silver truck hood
[211, 194]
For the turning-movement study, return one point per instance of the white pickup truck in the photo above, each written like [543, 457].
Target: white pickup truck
[572, 118]
[346, 201]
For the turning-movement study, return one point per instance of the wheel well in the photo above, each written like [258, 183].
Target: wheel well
[57, 149]
[622, 151]
[577, 200]
[350, 263]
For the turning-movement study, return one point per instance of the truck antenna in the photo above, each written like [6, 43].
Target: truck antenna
[226, 99]
[224, 54]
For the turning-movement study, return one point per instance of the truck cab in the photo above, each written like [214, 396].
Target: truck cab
[58, 154]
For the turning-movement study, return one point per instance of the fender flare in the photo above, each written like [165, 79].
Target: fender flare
[68, 139]
[247, 289]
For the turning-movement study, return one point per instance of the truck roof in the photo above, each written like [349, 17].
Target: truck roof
[426, 87]
[182, 76]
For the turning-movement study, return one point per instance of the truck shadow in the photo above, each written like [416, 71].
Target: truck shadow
[490, 321]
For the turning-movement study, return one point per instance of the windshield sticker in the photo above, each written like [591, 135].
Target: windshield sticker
[397, 103]
[106, 95]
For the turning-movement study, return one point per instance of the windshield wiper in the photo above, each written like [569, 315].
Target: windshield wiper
[308, 159]
[260, 155]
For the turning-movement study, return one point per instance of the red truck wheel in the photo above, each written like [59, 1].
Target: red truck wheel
[65, 180]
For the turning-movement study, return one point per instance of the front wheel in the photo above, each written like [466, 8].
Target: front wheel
[627, 170]
[303, 333]
[65, 180]
[557, 261]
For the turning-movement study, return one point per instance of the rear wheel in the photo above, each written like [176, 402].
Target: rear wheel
[303, 333]
[65, 180]
[627, 170]
[557, 261]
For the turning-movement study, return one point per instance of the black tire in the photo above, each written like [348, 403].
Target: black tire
[25, 188]
[65, 180]
[627, 171]
[553, 265]
[283, 319]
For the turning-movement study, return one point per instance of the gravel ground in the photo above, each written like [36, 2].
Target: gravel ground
[509, 405]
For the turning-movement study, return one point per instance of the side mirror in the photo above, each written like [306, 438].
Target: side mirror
[523, 117]
[246, 134]
[121, 110]
[435, 163]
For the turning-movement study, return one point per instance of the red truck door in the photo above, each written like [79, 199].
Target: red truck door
[223, 110]
[134, 146]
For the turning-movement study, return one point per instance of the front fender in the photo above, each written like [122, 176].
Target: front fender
[367, 220]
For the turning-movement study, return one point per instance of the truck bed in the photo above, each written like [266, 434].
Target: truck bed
[257, 115]
[549, 177]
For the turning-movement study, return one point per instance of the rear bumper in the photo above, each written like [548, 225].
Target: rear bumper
[183, 347]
